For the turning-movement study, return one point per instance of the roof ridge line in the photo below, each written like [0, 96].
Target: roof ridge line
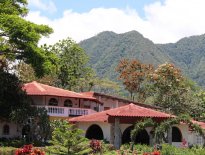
[38, 85]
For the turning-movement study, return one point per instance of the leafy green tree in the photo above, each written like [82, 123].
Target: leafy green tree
[19, 37]
[26, 74]
[67, 139]
[106, 86]
[172, 91]
[12, 97]
[72, 67]
[134, 75]
[200, 115]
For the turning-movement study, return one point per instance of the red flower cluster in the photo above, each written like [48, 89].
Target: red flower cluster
[153, 153]
[95, 145]
[29, 150]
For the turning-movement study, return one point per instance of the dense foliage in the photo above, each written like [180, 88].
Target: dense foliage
[67, 139]
[188, 54]
[137, 150]
[73, 72]
[12, 97]
[166, 150]
[134, 76]
[170, 89]
[26, 74]
[174, 93]
[19, 37]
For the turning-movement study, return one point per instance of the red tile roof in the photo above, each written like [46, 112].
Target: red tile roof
[201, 124]
[133, 110]
[35, 88]
[130, 110]
[96, 117]
[126, 101]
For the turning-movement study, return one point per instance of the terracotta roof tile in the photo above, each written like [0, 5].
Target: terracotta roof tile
[133, 110]
[201, 124]
[96, 117]
[130, 110]
[94, 94]
[35, 88]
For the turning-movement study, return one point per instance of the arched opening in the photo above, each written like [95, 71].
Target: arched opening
[68, 103]
[141, 138]
[94, 132]
[6, 129]
[53, 102]
[176, 134]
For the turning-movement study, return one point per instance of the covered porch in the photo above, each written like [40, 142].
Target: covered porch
[116, 124]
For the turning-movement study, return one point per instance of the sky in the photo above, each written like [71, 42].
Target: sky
[162, 21]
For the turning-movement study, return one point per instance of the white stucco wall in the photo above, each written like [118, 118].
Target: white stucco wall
[106, 128]
[38, 100]
[103, 125]
[44, 100]
[110, 102]
[190, 137]
[185, 134]
[14, 131]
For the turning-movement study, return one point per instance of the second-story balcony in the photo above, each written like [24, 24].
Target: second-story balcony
[57, 111]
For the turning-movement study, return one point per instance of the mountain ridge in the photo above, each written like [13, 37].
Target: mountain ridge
[107, 48]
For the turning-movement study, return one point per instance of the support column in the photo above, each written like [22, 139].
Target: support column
[117, 104]
[112, 133]
[118, 136]
[169, 135]
[151, 138]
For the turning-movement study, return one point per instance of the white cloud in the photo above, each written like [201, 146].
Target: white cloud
[50, 6]
[167, 22]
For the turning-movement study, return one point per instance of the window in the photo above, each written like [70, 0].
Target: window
[106, 108]
[6, 130]
[53, 102]
[68, 103]
[199, 140]
[96, 108]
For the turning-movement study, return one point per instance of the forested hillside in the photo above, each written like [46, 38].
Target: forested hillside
[189, 55]
[107, 48]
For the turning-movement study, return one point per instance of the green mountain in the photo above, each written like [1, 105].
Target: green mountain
[107, 48]
[189, 55]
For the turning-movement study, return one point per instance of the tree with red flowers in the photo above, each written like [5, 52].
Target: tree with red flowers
[173, 92]
[134, 74]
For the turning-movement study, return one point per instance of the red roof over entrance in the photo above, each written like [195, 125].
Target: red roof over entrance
[35, 88]
[131, 111]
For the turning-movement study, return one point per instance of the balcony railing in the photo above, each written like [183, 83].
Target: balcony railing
[66, 111]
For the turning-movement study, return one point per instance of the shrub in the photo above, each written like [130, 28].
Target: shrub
[67, 139]
[7, 150]
[95, 145]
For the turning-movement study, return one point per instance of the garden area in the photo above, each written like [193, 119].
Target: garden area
[66, 139]
[95, 147]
